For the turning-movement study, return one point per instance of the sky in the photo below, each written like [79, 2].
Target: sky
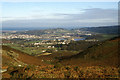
[58, 14]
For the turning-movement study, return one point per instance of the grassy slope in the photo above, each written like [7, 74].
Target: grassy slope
[105, 53]
[108, 52]
[23, 57]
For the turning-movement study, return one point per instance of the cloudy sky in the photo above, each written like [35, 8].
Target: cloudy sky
[58, 14]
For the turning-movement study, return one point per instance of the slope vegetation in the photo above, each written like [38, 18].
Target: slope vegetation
[10, 54]
[104, 54]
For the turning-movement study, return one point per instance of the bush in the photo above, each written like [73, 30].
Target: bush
[76, 68]
[57, 65]
[67, 68]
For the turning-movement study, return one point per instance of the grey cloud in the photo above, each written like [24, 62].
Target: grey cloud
[90, 17]
[95, 13]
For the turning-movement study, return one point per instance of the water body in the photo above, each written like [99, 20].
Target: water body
[10, 28]
[79, 39]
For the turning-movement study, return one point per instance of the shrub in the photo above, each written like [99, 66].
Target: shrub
[76, 68]
[67, 68]
[57, 65]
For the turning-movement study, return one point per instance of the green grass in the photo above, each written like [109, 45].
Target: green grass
[106, 36]
[30, 50]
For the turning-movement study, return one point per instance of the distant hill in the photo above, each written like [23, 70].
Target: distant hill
[41, 31]
[103, 29]
[100, 29]
[104, 53]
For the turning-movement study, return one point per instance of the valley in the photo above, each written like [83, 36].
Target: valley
[95, 56]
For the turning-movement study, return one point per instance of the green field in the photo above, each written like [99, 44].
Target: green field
[32, 50]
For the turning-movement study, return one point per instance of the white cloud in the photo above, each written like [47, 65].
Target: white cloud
[90, 17]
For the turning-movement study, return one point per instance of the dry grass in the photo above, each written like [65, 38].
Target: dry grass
[65, 72]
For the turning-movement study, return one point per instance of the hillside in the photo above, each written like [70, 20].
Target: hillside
[100, 53]
[103, 30]
[104, 54]
[42, 32]
[98, 61]
[15, 57]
